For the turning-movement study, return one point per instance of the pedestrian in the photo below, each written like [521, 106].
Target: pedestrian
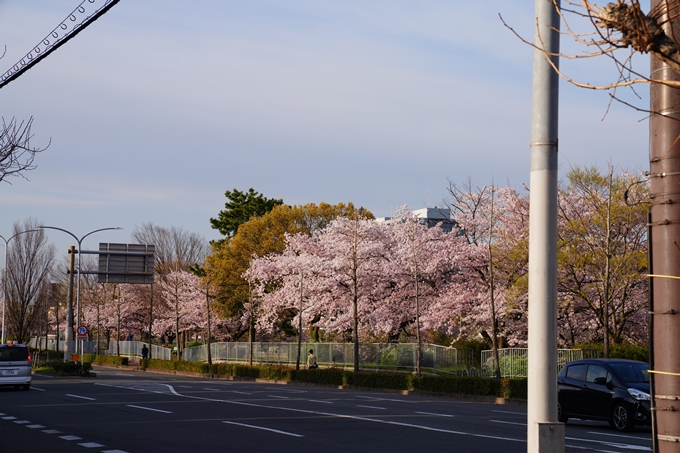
[311, 360]
[145, 352]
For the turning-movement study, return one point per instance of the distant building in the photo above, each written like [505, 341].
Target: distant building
[430, 217]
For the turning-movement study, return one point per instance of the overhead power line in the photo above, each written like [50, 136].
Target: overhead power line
[84, 14]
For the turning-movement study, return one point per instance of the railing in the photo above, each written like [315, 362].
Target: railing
[514, 361]
[372, 356]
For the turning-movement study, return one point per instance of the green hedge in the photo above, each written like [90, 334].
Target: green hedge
[64, 368]
[110, 360]
[504, 388]
[639, 352]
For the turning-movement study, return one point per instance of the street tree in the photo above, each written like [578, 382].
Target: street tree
[602, 257]
[241, 207]
[27, 276]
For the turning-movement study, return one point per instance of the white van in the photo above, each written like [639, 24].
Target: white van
[15, 365]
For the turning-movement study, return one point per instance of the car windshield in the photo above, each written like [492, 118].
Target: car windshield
[13, 354]
[631, 372]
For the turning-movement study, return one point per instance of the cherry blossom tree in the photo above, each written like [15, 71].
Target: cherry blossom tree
[428, 267]
[494, 220]
[184, 299]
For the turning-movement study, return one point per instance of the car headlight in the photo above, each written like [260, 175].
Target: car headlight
[638, 394]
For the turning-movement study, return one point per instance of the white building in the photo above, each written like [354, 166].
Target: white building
[429, 216]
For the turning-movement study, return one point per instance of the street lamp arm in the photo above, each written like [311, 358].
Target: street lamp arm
[61, 229]
[95, 231]
[12, 237]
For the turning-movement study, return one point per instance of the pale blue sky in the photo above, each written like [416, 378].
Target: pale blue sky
[160, 106]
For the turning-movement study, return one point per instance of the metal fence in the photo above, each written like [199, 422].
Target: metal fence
[372, 356]
[514, 361]
[89, 347]
[134, 349]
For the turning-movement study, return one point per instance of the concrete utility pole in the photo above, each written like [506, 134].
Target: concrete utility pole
[664, 230]
[544, 433]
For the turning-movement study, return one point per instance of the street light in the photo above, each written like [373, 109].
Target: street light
[4, 282]
[79, 241]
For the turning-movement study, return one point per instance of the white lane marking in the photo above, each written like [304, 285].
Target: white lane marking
[286, 390]
[331, 414]
[21, 422]
[37, 388]
[215, 390]
[617, 435]
[9, 417]
[90, 445]
[35, 426]
[438, 415]
[70, 438]
[321, 401]
[148, 409]
[123, 374]
[81, 397]
[372, 407]
[374, 398]
[508, 412]
[1, 414]
[51, 431]
[281, 397]
[611, 444]
[508, 423]
[241, 393]
[264, 429]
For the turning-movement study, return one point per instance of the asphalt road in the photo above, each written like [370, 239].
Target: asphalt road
[131, 412]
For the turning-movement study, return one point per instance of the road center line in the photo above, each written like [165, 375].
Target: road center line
[281, 397]
[508, 423]
[372, 407]
[432, 413]
[321, 401]
[617, 435]
[81, 397]
[148, 409]
[264, 429]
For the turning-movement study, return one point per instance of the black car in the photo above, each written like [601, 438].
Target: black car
[612, 390]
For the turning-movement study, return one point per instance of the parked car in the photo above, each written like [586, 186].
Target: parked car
[613, 390]
[15, 365]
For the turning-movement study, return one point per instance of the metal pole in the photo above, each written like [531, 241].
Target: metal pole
[544, 432]
[664, 167]
[69, 306]
[4, 293]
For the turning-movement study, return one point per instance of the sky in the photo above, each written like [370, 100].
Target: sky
[159, 107]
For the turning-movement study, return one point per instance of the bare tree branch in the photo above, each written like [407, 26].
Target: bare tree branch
[16, 153]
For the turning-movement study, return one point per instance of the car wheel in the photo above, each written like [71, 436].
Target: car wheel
[622, 418]
[561, 417]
